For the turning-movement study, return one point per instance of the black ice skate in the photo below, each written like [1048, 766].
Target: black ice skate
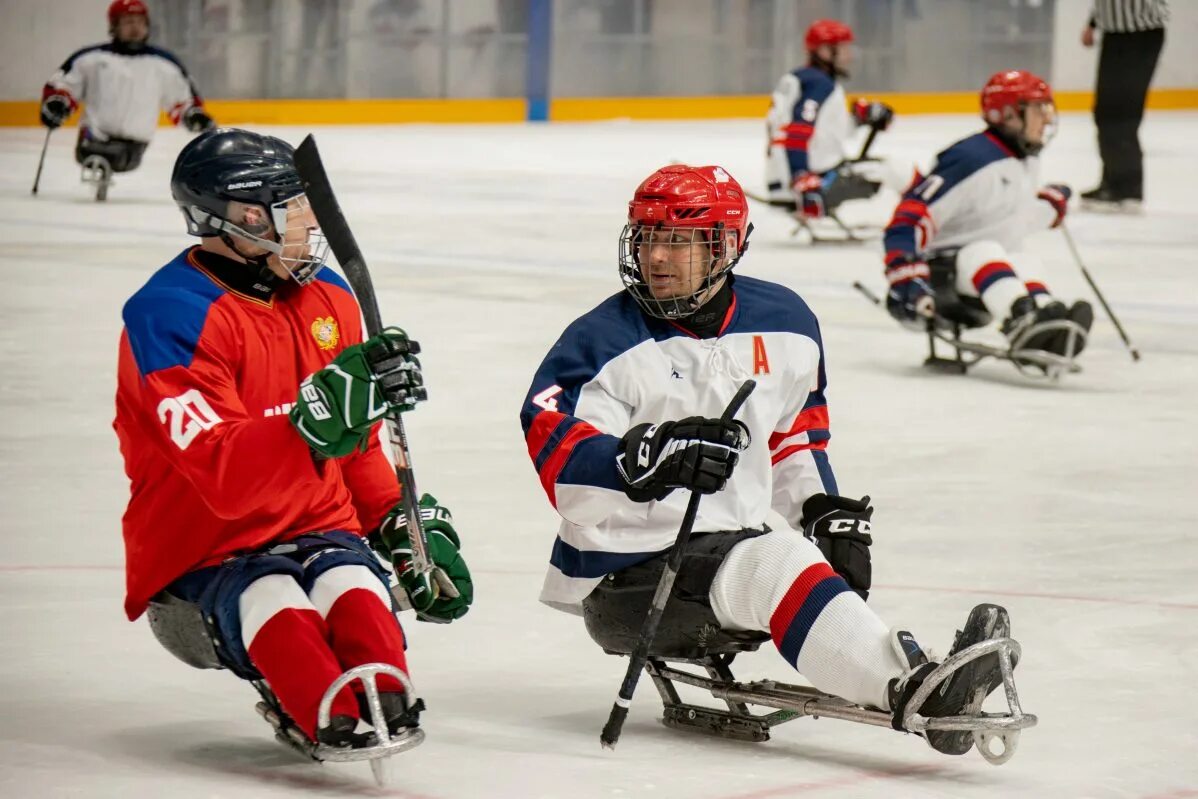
[1048, 337]
[957, 692]
[341, 732]
[400, 716]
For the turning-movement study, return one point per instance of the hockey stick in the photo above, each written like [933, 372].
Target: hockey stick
[341, 239]
[37, 179]
[1135, 353]
[665, 586]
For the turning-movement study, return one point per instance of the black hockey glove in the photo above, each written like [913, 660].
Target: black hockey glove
[196, 120]
[55, 110]
[694, 453]
[840, 527]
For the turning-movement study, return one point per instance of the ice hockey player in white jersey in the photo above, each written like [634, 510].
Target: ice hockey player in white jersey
[810, 127]
[962, 225]
[123, 85]
[622, 420]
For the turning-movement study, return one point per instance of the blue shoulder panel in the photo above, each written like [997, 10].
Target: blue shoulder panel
[765, 307]
[961, 160]
[167, 54]
[166, 316]
[330, 276]
[615, 326]
[815, 84]
[66, 65]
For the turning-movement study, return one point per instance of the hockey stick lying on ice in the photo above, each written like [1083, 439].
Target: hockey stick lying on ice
[341, 239]
[665, 586]
[1135, 353]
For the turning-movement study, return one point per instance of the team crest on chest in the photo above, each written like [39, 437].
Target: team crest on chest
[325, 331]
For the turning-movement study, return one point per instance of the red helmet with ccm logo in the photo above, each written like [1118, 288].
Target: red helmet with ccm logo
[121, 8]
[1012, 89]
[828, 31]
[692, 196]
[705, 200]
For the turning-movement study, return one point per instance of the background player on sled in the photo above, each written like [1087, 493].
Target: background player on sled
[956, 237]
[811, 127]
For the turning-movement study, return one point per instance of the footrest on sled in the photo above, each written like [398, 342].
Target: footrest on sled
[794, 701]
[384, 744]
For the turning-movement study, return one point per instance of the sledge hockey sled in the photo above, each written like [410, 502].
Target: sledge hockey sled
[956, 314]
[831, 229]
[182, 630]
[688, 641]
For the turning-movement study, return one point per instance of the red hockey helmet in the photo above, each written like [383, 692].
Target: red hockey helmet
[122, 8]
[1014, 88]
[828, 31]
[684, 205]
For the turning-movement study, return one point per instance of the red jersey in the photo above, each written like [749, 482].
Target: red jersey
[211, 359]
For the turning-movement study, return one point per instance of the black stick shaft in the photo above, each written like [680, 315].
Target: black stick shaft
[37, 179]
[665, 586]
[345, 246]
[1135, 353]
[869, 142]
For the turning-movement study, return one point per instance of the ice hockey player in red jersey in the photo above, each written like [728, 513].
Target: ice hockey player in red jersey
[959, 230]
[811, 124]
[247, 409]
[123, 85]
[622, 421]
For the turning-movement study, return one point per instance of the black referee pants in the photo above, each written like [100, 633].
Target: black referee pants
[1125, 68]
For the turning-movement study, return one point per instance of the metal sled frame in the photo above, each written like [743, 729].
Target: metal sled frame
[794, 701]
[853, 234]
[1030, 363]
[387, 744]
[98, 172]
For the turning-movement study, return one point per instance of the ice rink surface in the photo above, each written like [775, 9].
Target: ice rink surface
[1073, 505]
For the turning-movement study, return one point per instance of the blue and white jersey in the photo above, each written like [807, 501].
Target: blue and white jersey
[615, 368]
[978, 190]
[809, 128]
[124, 89]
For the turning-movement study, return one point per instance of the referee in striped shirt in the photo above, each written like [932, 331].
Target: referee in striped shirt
[1133, 32]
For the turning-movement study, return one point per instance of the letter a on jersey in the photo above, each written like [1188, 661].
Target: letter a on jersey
[761, 361]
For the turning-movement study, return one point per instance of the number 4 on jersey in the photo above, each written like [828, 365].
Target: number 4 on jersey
[546, 399]
[186, 416]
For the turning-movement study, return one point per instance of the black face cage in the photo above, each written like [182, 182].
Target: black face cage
[717, 263]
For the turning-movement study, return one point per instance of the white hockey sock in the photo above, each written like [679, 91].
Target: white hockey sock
[998, 286]
[780, 583]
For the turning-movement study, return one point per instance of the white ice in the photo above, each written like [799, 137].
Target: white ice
[1073, 505]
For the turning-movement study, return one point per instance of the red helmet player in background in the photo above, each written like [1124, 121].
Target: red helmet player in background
[124, 83]
[961, 229]
[1020, 106]
[810, 124]
[624, 416]
[129, 22]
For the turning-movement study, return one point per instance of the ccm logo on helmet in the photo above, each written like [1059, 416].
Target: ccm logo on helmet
[249, 184]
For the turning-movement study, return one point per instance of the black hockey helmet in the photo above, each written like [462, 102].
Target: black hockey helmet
[231, 165]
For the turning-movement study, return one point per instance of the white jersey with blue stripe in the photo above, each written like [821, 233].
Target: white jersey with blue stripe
[615, 368]
[978, 190]
[123, 89]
